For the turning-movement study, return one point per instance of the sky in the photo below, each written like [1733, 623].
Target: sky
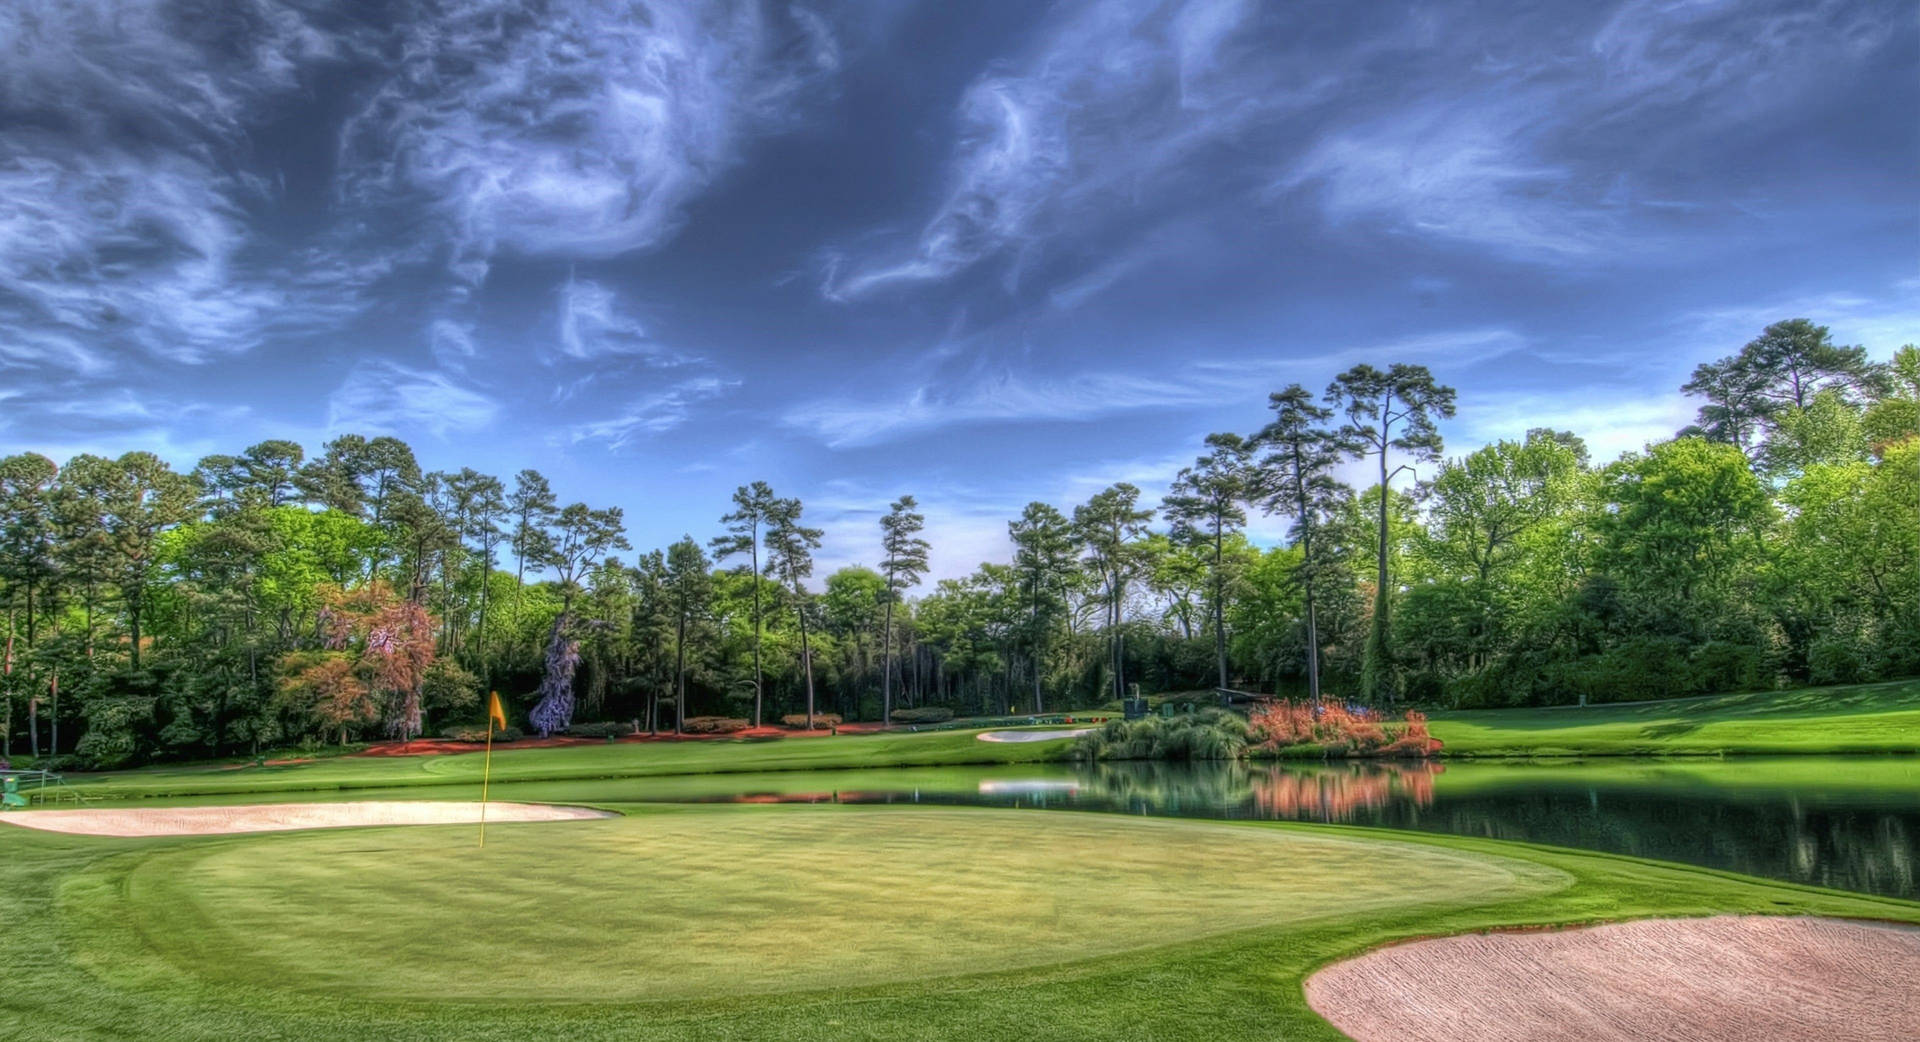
[981, 253]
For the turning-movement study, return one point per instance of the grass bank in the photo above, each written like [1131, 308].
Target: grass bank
[1859, 719]
[773, 923]
[571, 763]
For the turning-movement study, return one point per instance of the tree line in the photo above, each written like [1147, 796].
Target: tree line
[269, 599]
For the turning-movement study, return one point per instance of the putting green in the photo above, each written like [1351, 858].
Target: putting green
[710, 903]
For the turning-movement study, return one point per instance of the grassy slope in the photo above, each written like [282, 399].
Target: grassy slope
[623, 760]
[1869, 718]
[624, 916]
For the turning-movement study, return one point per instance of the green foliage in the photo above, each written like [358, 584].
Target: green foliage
[114, 731]
[1210, 734]
[471, 733]
[922, 715]
[606, 729]
[714, 724]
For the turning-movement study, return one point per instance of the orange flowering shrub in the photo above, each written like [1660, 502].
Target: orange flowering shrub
[1279, 723]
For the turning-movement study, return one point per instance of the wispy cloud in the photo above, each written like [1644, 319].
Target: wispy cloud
[594, 325]
[1493, 136]
[650, 413]
[385, 397]
[116, 244]
[957, 387]
[1114, 99]
[583, 129]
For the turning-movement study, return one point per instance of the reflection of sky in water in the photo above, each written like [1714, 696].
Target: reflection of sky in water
[1008, 787]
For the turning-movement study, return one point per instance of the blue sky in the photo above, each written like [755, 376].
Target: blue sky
[982, 253]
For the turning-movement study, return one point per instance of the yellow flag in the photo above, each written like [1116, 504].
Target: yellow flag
[496, 715]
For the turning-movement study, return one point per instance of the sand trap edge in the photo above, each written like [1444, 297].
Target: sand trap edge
[129, 822]
[1791, 978]
[1032, 736]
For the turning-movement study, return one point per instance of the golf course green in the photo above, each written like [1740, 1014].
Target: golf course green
[1863, 718]
[772, 922]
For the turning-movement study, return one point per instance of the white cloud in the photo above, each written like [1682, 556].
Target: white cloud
[382, 397]
[1436, 171]
[141, 247]
[593, 325]
[583, 130]
[650, 413]
[956, 388]
[1089, 128]
[1496, 148]
[1624, 423]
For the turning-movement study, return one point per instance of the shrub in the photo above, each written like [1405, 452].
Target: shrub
[606, 729]
[1211, 734]
[1337, 729]
[819, 720]
[1722, 665]
[923, 715]
[1835, 660]
[714, 724]
[478, 733]
[113, 731]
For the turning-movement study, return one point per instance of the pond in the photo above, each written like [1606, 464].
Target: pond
[1852, 824]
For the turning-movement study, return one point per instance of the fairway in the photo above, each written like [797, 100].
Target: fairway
[704, 904]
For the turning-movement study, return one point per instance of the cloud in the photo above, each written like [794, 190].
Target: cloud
[1625, 423]
[651, 413]
[593, 325]
[583, 129]
[123, 223]
[1440, 172]
[1091, 127]
[1551, 141]
[382, 397]
[957, 386]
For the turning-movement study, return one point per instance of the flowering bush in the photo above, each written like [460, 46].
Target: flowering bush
[714, 724]
[1353, 730]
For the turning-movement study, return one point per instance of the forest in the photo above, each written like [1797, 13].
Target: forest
[273, 600]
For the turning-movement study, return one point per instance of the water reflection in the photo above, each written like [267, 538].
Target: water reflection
[1848, 824]
[1341, 795]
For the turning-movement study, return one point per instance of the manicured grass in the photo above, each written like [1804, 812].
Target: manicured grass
[772, 922]
[619, 760]
[1867, 718]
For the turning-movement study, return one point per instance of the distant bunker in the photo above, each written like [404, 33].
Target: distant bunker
[1786, 979]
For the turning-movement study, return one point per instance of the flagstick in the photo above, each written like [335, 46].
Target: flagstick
[486, 776]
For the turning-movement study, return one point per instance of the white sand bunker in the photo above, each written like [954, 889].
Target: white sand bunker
[281, 817]
[1664, 980]
[1031, 736]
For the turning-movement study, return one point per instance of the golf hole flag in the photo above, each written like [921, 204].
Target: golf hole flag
[496, 720]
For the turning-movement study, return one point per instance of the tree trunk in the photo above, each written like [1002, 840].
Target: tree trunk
[806, 649]
[6, 717]
[680, 676]
[886, 664]
[759, 682]
[1379, 670]
[1219, 606]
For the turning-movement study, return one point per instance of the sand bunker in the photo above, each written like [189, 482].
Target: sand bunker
[1787, 979]
[280, 817]
[1030, 736]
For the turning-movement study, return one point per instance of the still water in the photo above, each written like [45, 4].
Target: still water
[1853, 824]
